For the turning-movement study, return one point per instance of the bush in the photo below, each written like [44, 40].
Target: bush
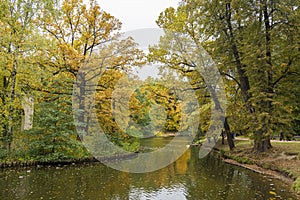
[53, 137]
[3, 154]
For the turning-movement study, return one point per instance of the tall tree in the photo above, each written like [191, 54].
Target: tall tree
[181, 49]
[88, 44]
[256, 46]
[18, 38]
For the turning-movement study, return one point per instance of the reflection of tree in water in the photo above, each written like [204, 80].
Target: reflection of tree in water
[207, 178]
[167, 177]
[210, 178]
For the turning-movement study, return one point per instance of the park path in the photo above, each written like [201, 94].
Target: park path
[283, 141]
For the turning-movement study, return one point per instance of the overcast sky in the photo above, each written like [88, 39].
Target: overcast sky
[136, 14]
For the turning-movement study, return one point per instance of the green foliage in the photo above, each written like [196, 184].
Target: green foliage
[254, 44]
[296, 186]
[3, 154]
[17, 48]
[152, 101]
[222, 153]
[106, 115]
[53, 136]
[43, 44]
[131, 147]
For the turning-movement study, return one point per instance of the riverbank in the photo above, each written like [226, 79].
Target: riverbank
[17, 161]
[34, 163]
[281, 162]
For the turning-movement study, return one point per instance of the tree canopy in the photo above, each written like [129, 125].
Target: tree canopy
[256, 46]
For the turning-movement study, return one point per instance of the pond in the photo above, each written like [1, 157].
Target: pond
[187, 178]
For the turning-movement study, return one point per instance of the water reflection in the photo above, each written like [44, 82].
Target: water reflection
[187, 178]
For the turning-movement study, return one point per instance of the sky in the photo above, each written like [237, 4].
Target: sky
[138, 21]
[136, 14]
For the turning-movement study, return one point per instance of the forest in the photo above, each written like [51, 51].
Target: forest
[52, 54]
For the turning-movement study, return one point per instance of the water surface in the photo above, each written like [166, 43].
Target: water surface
[188, 178]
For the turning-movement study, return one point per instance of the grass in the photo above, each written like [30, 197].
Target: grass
[291, 148]
[296, 185]
[284, 157]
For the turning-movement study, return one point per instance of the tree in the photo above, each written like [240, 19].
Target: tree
[53, 136]
[18, 38]
[44, 45]
[86, 44]
[249, 40]
[181, 50]
[146, 108]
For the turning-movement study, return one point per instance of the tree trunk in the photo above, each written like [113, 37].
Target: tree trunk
[262, 145]
[223, 137]
[3, 114]
[229, 136]
[28, 106]
[243, 78]
[11, 106]
[82, 124]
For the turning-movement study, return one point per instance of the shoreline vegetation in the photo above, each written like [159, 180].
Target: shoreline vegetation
[19, 162]
[34, 163]
[282, 161]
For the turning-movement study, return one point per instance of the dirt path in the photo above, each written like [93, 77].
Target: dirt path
[283, 141]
